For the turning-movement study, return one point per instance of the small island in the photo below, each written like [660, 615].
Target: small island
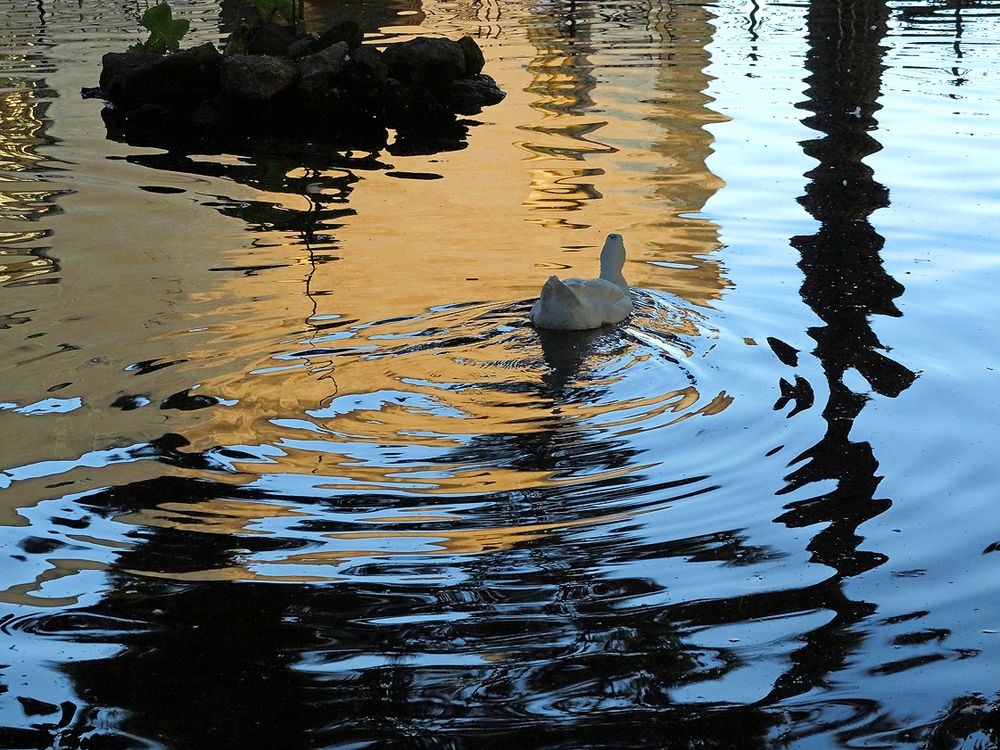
[272, 79]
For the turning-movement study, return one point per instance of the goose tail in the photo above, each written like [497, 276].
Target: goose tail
[556, 291]
[558, 307]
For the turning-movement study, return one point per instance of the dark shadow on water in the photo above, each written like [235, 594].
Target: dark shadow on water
[535, 644]
[845, 284]
[845, 281]
[565, 352]
[327, 173]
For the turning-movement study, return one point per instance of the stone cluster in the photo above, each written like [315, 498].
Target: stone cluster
[274, 79]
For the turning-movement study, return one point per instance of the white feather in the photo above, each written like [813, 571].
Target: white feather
[581, 304]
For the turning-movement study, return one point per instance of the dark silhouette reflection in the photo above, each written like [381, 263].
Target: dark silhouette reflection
[329, 180]
[968, 721]
[290, 137]
[532, 647]
[564, 352]
[844, 284]
[942, 14]
[531, 642]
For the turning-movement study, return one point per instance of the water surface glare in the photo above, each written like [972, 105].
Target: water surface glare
[284, 464]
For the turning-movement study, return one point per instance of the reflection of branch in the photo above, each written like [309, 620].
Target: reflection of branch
[752, 21]
[308, 235]
[307, 238]
[666, 11]
[958, 32]
[844, 284]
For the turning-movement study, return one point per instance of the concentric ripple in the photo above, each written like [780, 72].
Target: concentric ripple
[459, 431]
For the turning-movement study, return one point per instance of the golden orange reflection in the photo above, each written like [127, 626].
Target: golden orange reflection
[361, 324]
[22, 196]
[210, 516]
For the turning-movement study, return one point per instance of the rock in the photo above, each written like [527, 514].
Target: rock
[474, 58]
[117, 65]
[424, 61]
[178, 80]
[149, 116]
[468, 96]
[334, 88]
[324, 64]
[271, 39]
[210, 115]
[238, 42]
[345, 31]
[303, 46]
[364, 70]
[148, 123]
[34, 545]
[256, 77]
[404, 106]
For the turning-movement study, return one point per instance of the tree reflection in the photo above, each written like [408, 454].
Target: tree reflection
[536, 639]
[845, 284]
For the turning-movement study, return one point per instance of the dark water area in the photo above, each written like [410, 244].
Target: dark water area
[284, 464]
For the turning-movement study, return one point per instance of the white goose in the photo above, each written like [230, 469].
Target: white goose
[581, 304]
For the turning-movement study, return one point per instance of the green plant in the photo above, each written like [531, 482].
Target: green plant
[165, 32]
[268, 8]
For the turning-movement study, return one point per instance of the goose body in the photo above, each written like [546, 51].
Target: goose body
[582, 304]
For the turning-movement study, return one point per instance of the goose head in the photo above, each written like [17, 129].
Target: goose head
[613, 260]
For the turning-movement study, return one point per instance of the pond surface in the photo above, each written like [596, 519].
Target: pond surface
[283, 464]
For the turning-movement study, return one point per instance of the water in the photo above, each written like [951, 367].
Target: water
[284, 465]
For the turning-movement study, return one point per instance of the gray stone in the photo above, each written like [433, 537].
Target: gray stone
[404, 105]
[474, 58]
[303, 46]
[238, 42]
[116, 65]
[468, 96]
[271, 39]
[364, 68]
[210, 115]
[425, 61]
[180, 79]
[346, 31]
[324, 64]
[256, 77]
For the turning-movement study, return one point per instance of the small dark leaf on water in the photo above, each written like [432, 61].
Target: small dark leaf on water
[34, 707]
[787, 354]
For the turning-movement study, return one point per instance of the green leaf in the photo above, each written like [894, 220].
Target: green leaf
[165, 32]
[268, 8]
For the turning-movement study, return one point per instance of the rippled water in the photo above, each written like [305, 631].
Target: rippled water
[283, 463]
